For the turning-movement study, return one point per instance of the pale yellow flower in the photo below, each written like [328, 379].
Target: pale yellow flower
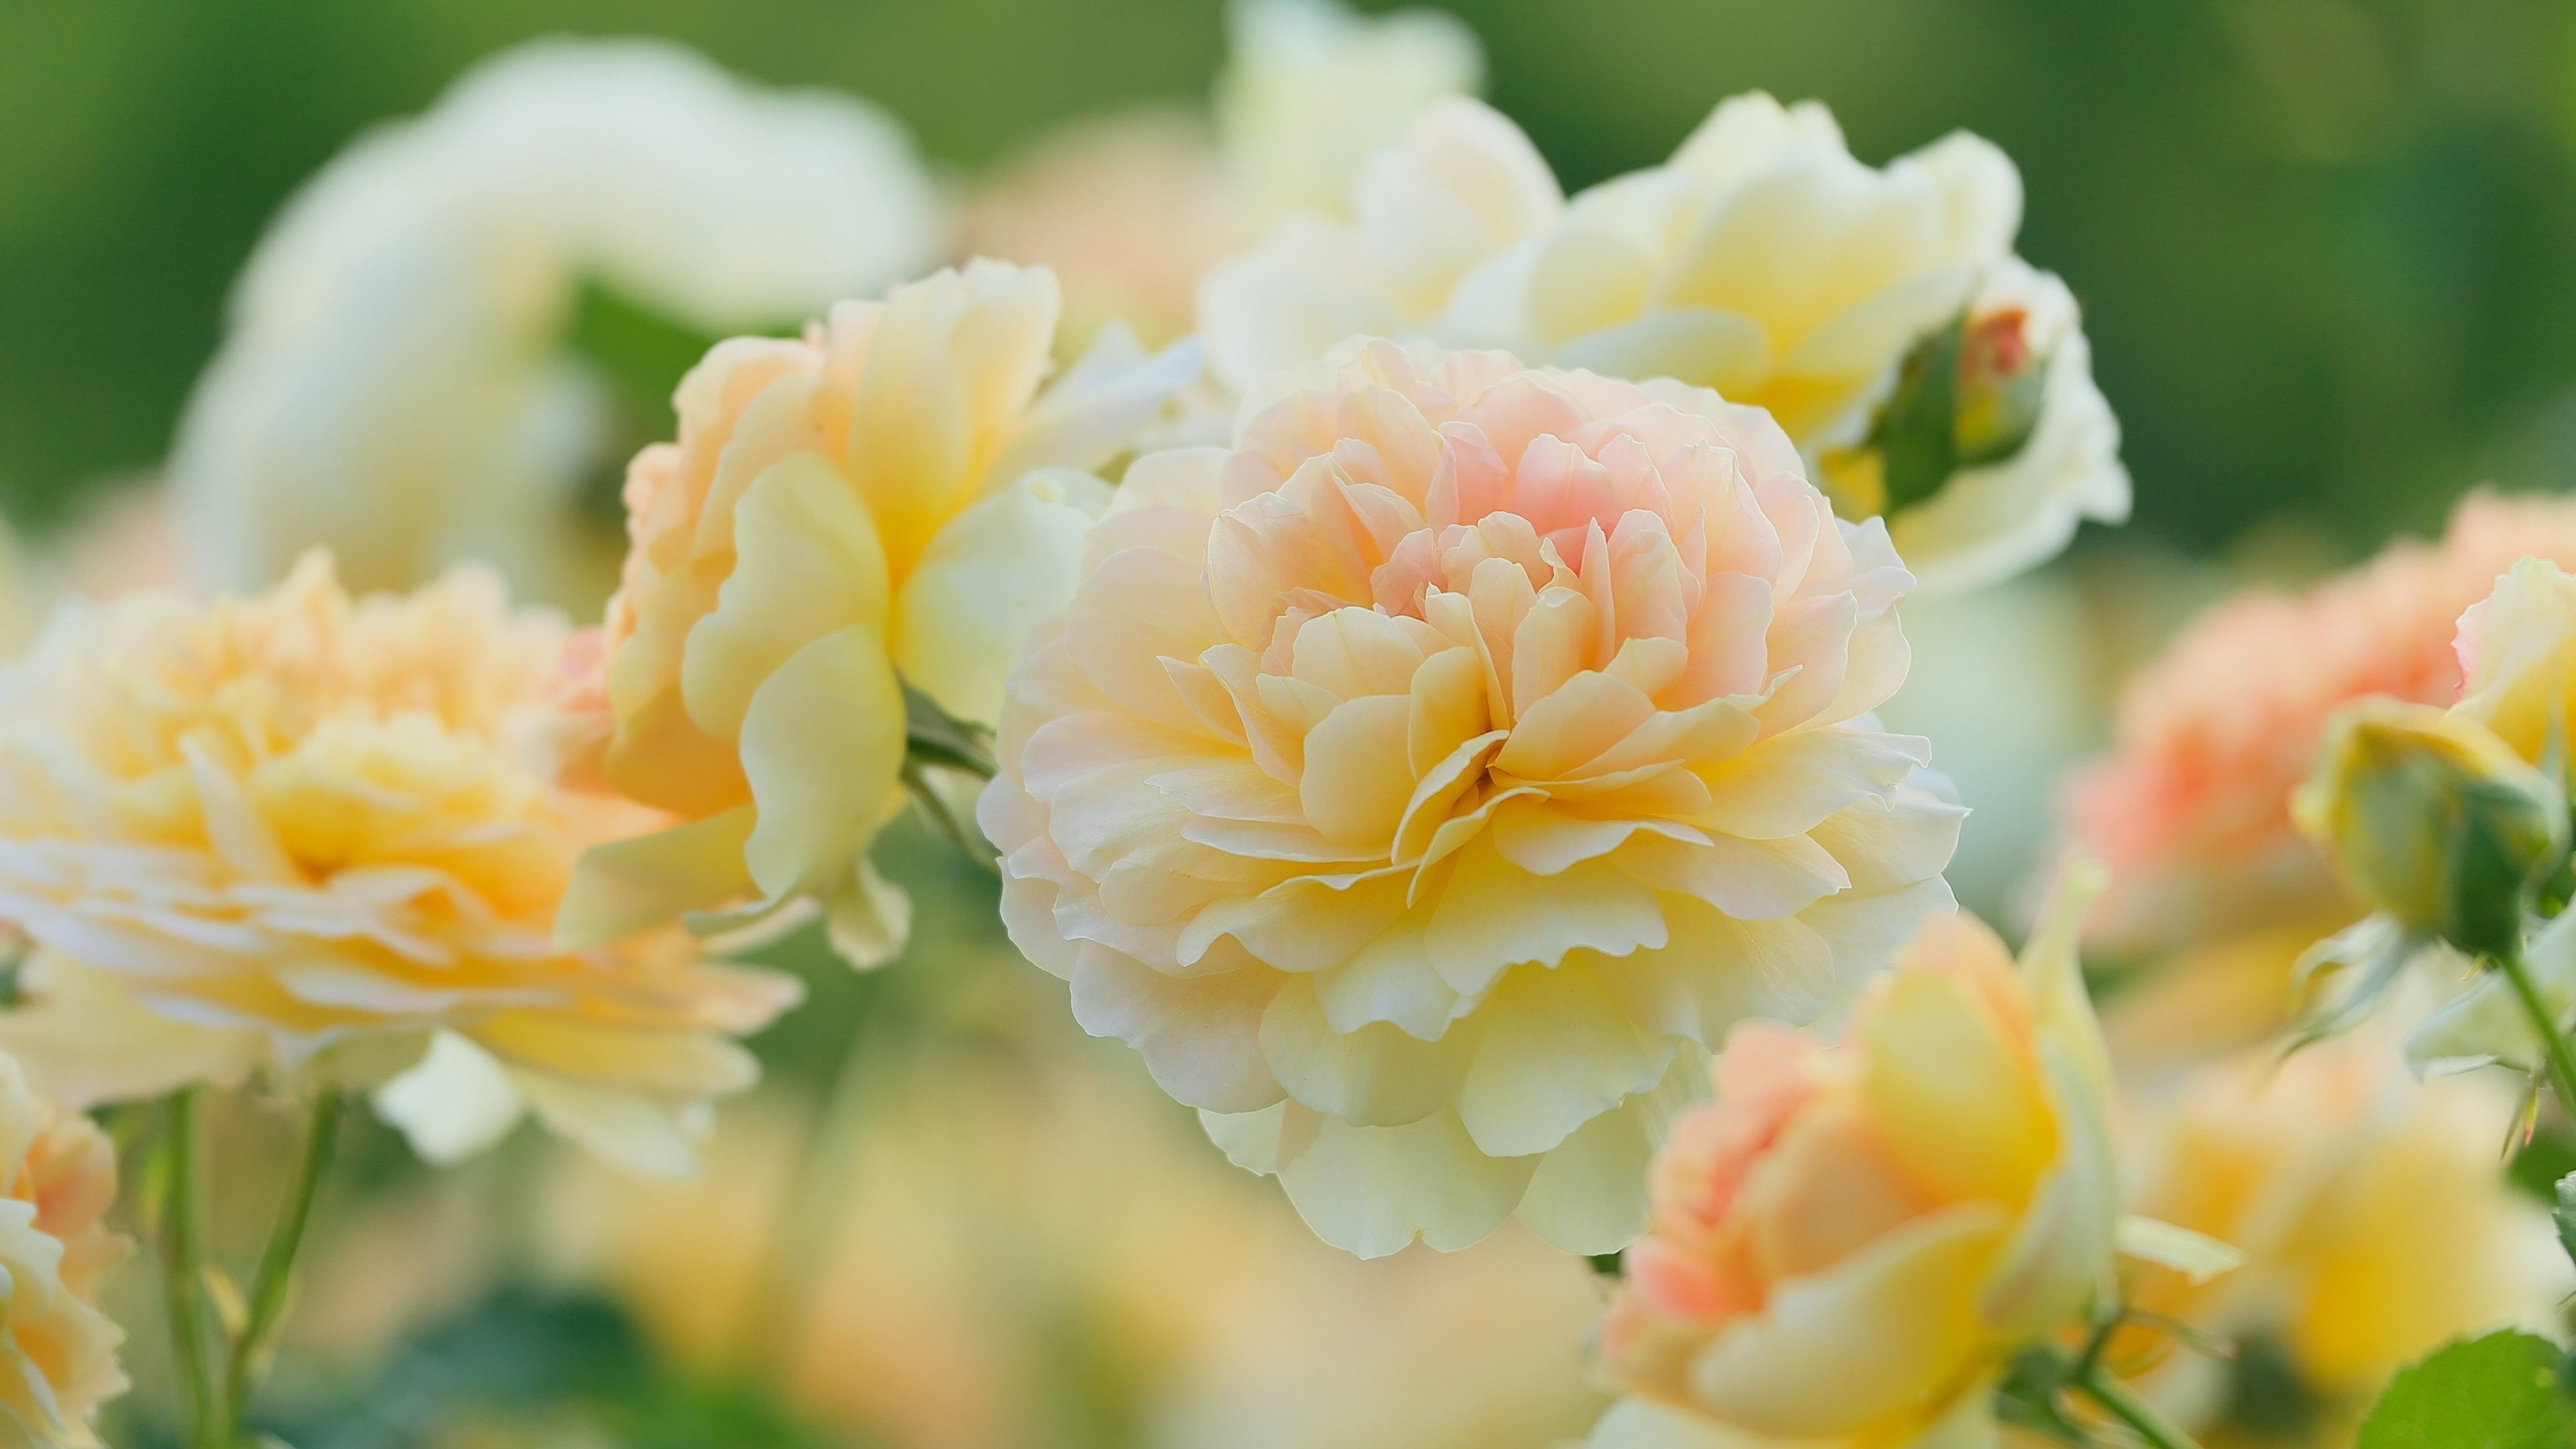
[1422, 785]
[1132, 210]
[398, 380]
[298, 826]
[57, 1349]
[1312, 87]
[1761, 260]
[1851, 1240]
[888, 501]
[2375, 1221]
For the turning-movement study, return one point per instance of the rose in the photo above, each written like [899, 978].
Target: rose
[1424, 783]
[1850, 1240]
[1926, 373]
[889, 500]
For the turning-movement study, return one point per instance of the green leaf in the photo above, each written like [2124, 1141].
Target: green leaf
[2496, 1392]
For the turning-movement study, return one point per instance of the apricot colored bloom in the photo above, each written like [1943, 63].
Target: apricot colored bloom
[403, 377]
[1424, 783]
[1926, 373]
[1850, 1240]
[298, 826]
[2374, 1222]
[57, 1348]
[2190, 809]
[889, 500]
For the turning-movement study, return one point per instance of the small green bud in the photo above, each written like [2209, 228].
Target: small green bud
[2429, 817]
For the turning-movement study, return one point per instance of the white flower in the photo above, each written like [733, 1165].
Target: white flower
[395, 383]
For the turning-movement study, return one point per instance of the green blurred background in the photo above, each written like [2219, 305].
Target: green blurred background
[2323, 244]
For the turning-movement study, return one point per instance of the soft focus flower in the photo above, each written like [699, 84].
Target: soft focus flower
[1312, 87]
[1422, 785]
[2190, 809]
[1850, 1240]
[2429, 817]
[2375, 1223]
[1926, 373]
[1132, 210]
[298, 825]
[396, 381]
[1127, 212]
[888, 501]
[57, 1349]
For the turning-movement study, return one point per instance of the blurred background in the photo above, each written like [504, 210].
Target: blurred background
[2323, 250]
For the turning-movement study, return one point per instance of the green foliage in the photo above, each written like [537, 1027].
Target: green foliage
[2564, 1213]
[1916, 431]
[2496, 1392]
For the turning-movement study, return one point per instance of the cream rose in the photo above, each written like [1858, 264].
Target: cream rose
[1422, 784]
[1850, 1240]
[888, 501]
[397, 380]
[1926, 373]
[299, 826]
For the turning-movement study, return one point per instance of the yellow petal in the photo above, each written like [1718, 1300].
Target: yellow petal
[822, 745]
[623, 886]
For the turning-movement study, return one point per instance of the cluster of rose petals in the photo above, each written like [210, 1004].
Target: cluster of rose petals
[890, 500]
[1850, 1240]
[282, 825]
[1424, 783]
[2190, 809]
[57, 1347]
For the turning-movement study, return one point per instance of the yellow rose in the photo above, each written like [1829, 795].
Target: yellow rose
[888, 500]
[267, 830]
[1850, 1240]
[2375, 1222]
[1926, 373]
[2432, 819]
[57, 1349]
[1424, 784]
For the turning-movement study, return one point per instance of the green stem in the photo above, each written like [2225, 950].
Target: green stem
[2115, 1397]
[927, 795]
[192, 1330]
[2561, 1059]
[270, 1290]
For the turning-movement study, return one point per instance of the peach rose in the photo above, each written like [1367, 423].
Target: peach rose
[1424, 783]
[2190, 809]
[296, 826]
[1851, 1240]
[889, 500]
[57, 1179]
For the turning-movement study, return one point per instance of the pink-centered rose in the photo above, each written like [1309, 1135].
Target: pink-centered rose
[1850, 1240]
[1425, 782]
